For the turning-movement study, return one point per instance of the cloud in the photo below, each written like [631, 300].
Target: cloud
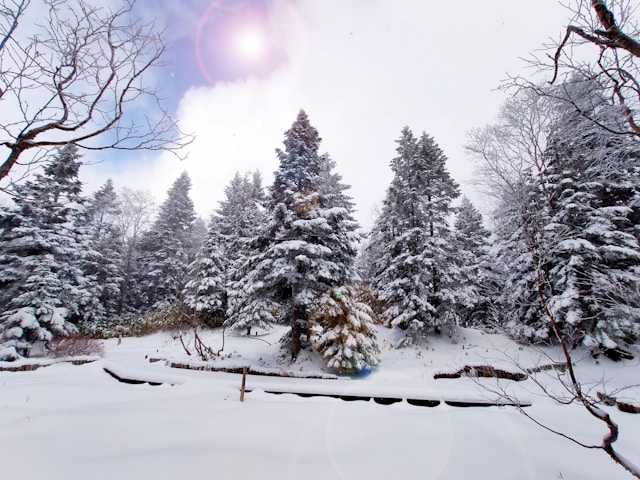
[362, 70]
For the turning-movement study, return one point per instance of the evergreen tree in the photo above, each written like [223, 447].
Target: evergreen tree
[44, 248]
[579, 231]
[342, 332]
[206, 292]
[521, 246]
[473, 305]
[166, 250]
[307, 245]
[103, 211]
[338, 209]
[592, 177]
[236, 224]
[414, 271]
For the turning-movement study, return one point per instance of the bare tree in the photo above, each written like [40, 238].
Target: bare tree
[537, 243]
[513, 145]
[601, 41]
[137, 208]
[74, 72]
[508, 151]
[574, 386]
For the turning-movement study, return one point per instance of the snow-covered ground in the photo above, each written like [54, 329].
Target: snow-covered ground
[77, 422]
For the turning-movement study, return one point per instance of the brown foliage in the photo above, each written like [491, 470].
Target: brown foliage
[74, 346]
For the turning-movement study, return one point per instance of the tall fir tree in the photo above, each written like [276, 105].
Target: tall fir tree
[205, 292]
[308, 243]
[236, 224]
[413, 271]
[44, 250]
[475, 275]
[167, 249]
[522, 260]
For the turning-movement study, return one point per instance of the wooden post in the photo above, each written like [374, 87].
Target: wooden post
[244, 383]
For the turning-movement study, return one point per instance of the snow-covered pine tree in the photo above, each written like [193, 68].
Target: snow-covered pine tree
[593, 184]
[205, 292]
[414, 269]
[307, 244]
[236, 225]
[164, 250]
[575, 230]
[386, 254]
[475, 275]
[519, 251]
[44, 246]
[103, 211]
[341, 330]
[198, 236]
[239, 215]
[338, 209]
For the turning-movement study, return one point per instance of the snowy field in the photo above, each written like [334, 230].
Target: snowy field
[77, 422]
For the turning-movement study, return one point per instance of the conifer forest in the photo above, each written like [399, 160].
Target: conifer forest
[279, 329]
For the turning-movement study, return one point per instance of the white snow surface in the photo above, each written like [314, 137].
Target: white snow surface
[70, 422]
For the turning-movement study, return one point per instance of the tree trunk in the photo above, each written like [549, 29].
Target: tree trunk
[11, 160]
[296, 331]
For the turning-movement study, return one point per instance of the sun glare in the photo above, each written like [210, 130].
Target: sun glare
[250, 45]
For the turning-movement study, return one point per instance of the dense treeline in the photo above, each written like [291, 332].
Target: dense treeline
[564, 242]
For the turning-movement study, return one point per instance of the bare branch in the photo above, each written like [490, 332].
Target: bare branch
[618, 60]
[612, 34]
[13, 15]
[588, 403]
[79, 78]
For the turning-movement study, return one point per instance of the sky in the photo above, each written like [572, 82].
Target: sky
[238, 71]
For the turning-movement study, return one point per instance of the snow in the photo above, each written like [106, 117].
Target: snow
[77, 422]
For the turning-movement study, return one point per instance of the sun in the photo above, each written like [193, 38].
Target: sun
[250, 45]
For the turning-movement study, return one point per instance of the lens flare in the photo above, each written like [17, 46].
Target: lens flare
[250, 44]
[235, 39]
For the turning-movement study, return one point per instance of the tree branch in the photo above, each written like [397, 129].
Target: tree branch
[94, 63]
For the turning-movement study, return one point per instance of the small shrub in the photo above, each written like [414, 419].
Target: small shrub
[74, 346]
[209, 320]
[168, 317]
[341, 331]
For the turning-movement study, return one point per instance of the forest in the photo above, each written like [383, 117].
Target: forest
[550, 269]
[563, 245]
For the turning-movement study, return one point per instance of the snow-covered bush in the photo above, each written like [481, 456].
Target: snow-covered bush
[26, 326]
[341, 330]
[367, 295]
